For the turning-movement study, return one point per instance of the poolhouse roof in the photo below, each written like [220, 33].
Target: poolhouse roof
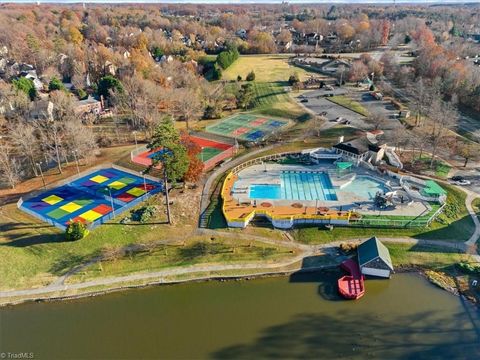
[433, 189]
[372, 249]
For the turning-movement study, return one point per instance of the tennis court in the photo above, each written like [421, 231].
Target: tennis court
[91, 199]
[213, 152]
[247, 127]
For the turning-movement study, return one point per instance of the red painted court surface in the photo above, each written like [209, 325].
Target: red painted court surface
[351, 286]
[213, 152]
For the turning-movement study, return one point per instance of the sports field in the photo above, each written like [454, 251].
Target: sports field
[248, 127]
[88, 200]
[213, 152]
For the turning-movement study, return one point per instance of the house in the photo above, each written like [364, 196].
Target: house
[32, 75]
[374, 258]
[88, 106]
[368, 148]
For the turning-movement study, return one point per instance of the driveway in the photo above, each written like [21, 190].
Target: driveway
[472, 175]
[318, 104]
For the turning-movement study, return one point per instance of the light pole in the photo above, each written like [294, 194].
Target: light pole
[76, 160]
[135, 137]
[111, 200]
[144, 183]
[41, 174]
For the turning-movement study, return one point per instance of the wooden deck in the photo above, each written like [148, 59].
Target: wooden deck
[351, 286]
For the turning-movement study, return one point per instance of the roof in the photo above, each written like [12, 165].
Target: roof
[357, 146]
[433, 189]
[344, 165]
[371, 249]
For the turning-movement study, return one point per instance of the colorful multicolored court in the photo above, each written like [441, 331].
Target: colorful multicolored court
[247, 127]
[213, 152]
[88, 200]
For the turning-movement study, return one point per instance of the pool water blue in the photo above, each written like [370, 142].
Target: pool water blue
[297, 186]
[265, 191]
[365, 187]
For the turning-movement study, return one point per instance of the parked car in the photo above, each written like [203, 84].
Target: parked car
[304, 100]
[329, 87]
[323, 113]
[460, 181]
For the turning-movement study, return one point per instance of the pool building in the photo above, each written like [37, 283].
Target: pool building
[322, 186]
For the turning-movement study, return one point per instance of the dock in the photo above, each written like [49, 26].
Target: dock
[351, 286]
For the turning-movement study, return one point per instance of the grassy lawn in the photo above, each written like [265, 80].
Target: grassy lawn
[440, 168]
[267, 68]
[194, 251]
[431, 257]
[349, 104]
[453, 224]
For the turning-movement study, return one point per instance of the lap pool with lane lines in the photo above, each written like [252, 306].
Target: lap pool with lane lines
[296, 185]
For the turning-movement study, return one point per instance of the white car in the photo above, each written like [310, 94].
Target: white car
[460, 181]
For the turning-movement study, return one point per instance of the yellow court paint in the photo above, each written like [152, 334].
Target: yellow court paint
[52, 199]
[136, 192]
[99, 179]
[70, 207]
[90, 215]
[117, 185]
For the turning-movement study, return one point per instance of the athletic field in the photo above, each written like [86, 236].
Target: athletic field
[246, 127]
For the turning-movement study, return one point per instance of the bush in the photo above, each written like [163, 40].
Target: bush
[55, 84]
[293, 79]
[467, 268]
[25, 85]
[75, 230]
[239, 78]
[348, 247]
[251, 76]
[82, 94]
[143, 214]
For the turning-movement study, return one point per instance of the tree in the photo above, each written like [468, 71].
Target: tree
[55, 84]
[377, 119]
[172, 156]
[107, 84]
[467, 151]
[26, 86]
[9, 167]
[24, 138]
[293, 79]
[195, 166]
[245, 96]
[444, 116]
[188, 105]
[358, 71]
[250, 76]
[421, 98]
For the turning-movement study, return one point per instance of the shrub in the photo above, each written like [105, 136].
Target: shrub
[108, 83]
[239, 78]
[55, 84]
[467, 268]
[25, 85]
[75, 230]
[143, 214]
[251, 76]
[82, 94]
[348, 247]
[293, 79]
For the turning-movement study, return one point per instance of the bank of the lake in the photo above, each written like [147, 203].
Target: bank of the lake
[283, 317]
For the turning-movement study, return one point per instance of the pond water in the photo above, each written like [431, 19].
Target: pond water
[283, 317]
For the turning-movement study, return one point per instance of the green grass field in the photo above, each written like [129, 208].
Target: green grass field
[349, 104]
[267, 68]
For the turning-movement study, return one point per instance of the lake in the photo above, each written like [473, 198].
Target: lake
[282, 317]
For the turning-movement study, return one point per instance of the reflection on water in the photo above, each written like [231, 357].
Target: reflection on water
[299, 316]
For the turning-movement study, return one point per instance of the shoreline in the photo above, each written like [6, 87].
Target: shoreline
[424, 273]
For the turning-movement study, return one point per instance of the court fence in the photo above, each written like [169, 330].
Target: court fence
[122, 206]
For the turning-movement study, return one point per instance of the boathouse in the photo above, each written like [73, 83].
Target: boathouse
[374, 258]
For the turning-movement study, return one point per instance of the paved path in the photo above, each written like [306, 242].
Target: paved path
[160, 277]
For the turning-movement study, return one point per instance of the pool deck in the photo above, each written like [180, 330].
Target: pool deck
[346, 200]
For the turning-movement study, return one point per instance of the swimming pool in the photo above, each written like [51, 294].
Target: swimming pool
[365, 187]
[297, 185]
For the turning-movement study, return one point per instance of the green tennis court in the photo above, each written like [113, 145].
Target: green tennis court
[209, 152]
[247, 127]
